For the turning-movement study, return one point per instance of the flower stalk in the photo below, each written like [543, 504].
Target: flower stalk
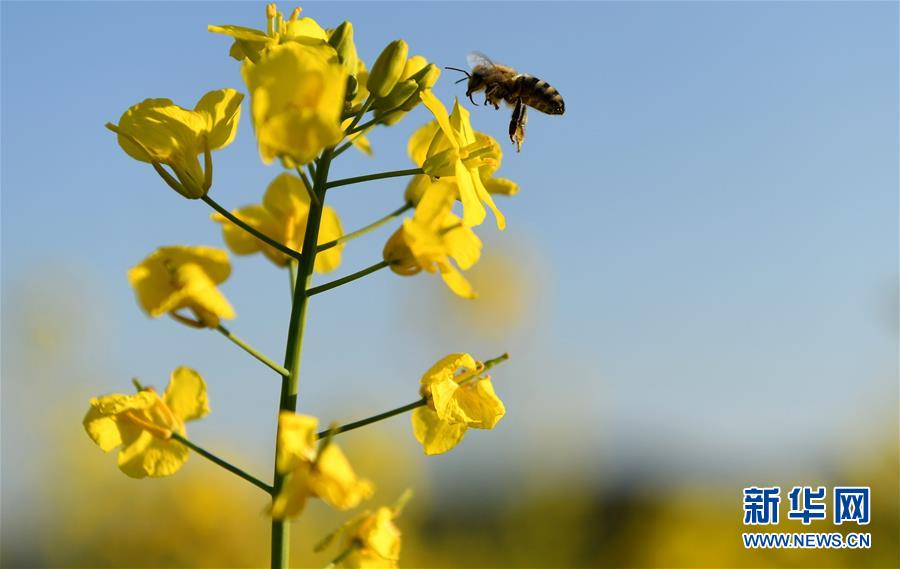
[378, 176]
[362, 231]
[252, 351]
[224, 464]
[251, 230]
[280, 549]
[349, 278]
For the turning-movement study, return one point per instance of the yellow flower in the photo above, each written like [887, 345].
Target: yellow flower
[249, 42]
[158, 131]
[455, 151]
[310, 472]
[296, 101]
[282, 216]
[370, 539]
[457, 399]
[177, 277]
[143, 424]
[431, 238]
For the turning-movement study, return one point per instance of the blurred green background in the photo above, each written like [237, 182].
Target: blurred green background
[698, 288]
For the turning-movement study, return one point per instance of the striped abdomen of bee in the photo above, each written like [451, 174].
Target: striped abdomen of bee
[537, 94]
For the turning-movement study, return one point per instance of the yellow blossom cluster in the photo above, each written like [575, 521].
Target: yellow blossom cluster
[309, 93]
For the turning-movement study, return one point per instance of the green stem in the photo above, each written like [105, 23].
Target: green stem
[403, 409]
[362, 111]
[251, 350]
[372, 419]
[340, 558]
[309, 189]
[292, 272]
[371, 227]
[226, 465]
[349, 278]
[252, 231]
[371, 122]
[281, 547]
[378, 176]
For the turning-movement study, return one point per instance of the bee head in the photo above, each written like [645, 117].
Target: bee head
[475, 82]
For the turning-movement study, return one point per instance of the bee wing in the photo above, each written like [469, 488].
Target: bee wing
[477, 58]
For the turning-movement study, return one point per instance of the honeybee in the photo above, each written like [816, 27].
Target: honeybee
[519, 90]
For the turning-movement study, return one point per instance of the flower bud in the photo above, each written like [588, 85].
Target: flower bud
[341, 39]
[425, 78]
[387, 69]
[402, 91]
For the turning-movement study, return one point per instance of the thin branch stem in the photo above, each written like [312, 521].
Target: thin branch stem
[349, 278]
[309, 189]
[378, 176]
[363, 230]
[372, 122]
[373, 419]
[362, 111]
[252, 231]
[251, 350]
[340, 558]
[224, 464]
[402, 409]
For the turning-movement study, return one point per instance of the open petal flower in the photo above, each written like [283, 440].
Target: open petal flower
[455, 151]
[432, 238]
[159, 131]
[418, 147]
[296, 100]
[183, 277]
[324, 473]
[457, 399]
[142, 424]
[250, 42]
[282, 215]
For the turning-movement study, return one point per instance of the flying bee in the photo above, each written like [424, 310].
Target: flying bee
[519, 90]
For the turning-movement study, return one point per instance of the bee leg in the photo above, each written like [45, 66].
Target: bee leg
[469, 95]
[517, 125]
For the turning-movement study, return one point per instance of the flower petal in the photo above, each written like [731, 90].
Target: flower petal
[480, 404]
[456, 282]
[186, 394]
[440, 114]
[286, 198]
[434, 435]
[296, 440]
[329, 230]
[223, 111]
[334, 481]
[290, 502]
[473, 210]
[418, 144]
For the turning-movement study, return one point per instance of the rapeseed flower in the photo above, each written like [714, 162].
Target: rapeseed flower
[282, 215]
[455, 151]
[312, 470]
[296, 101]
[143, 424]
[249, 43]
[183, 277]
[431, 238]
[457, 399]
[160, 132]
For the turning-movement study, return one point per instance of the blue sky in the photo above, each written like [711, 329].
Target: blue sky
[704, 248]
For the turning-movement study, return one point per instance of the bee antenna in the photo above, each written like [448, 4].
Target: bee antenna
[468, 75]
